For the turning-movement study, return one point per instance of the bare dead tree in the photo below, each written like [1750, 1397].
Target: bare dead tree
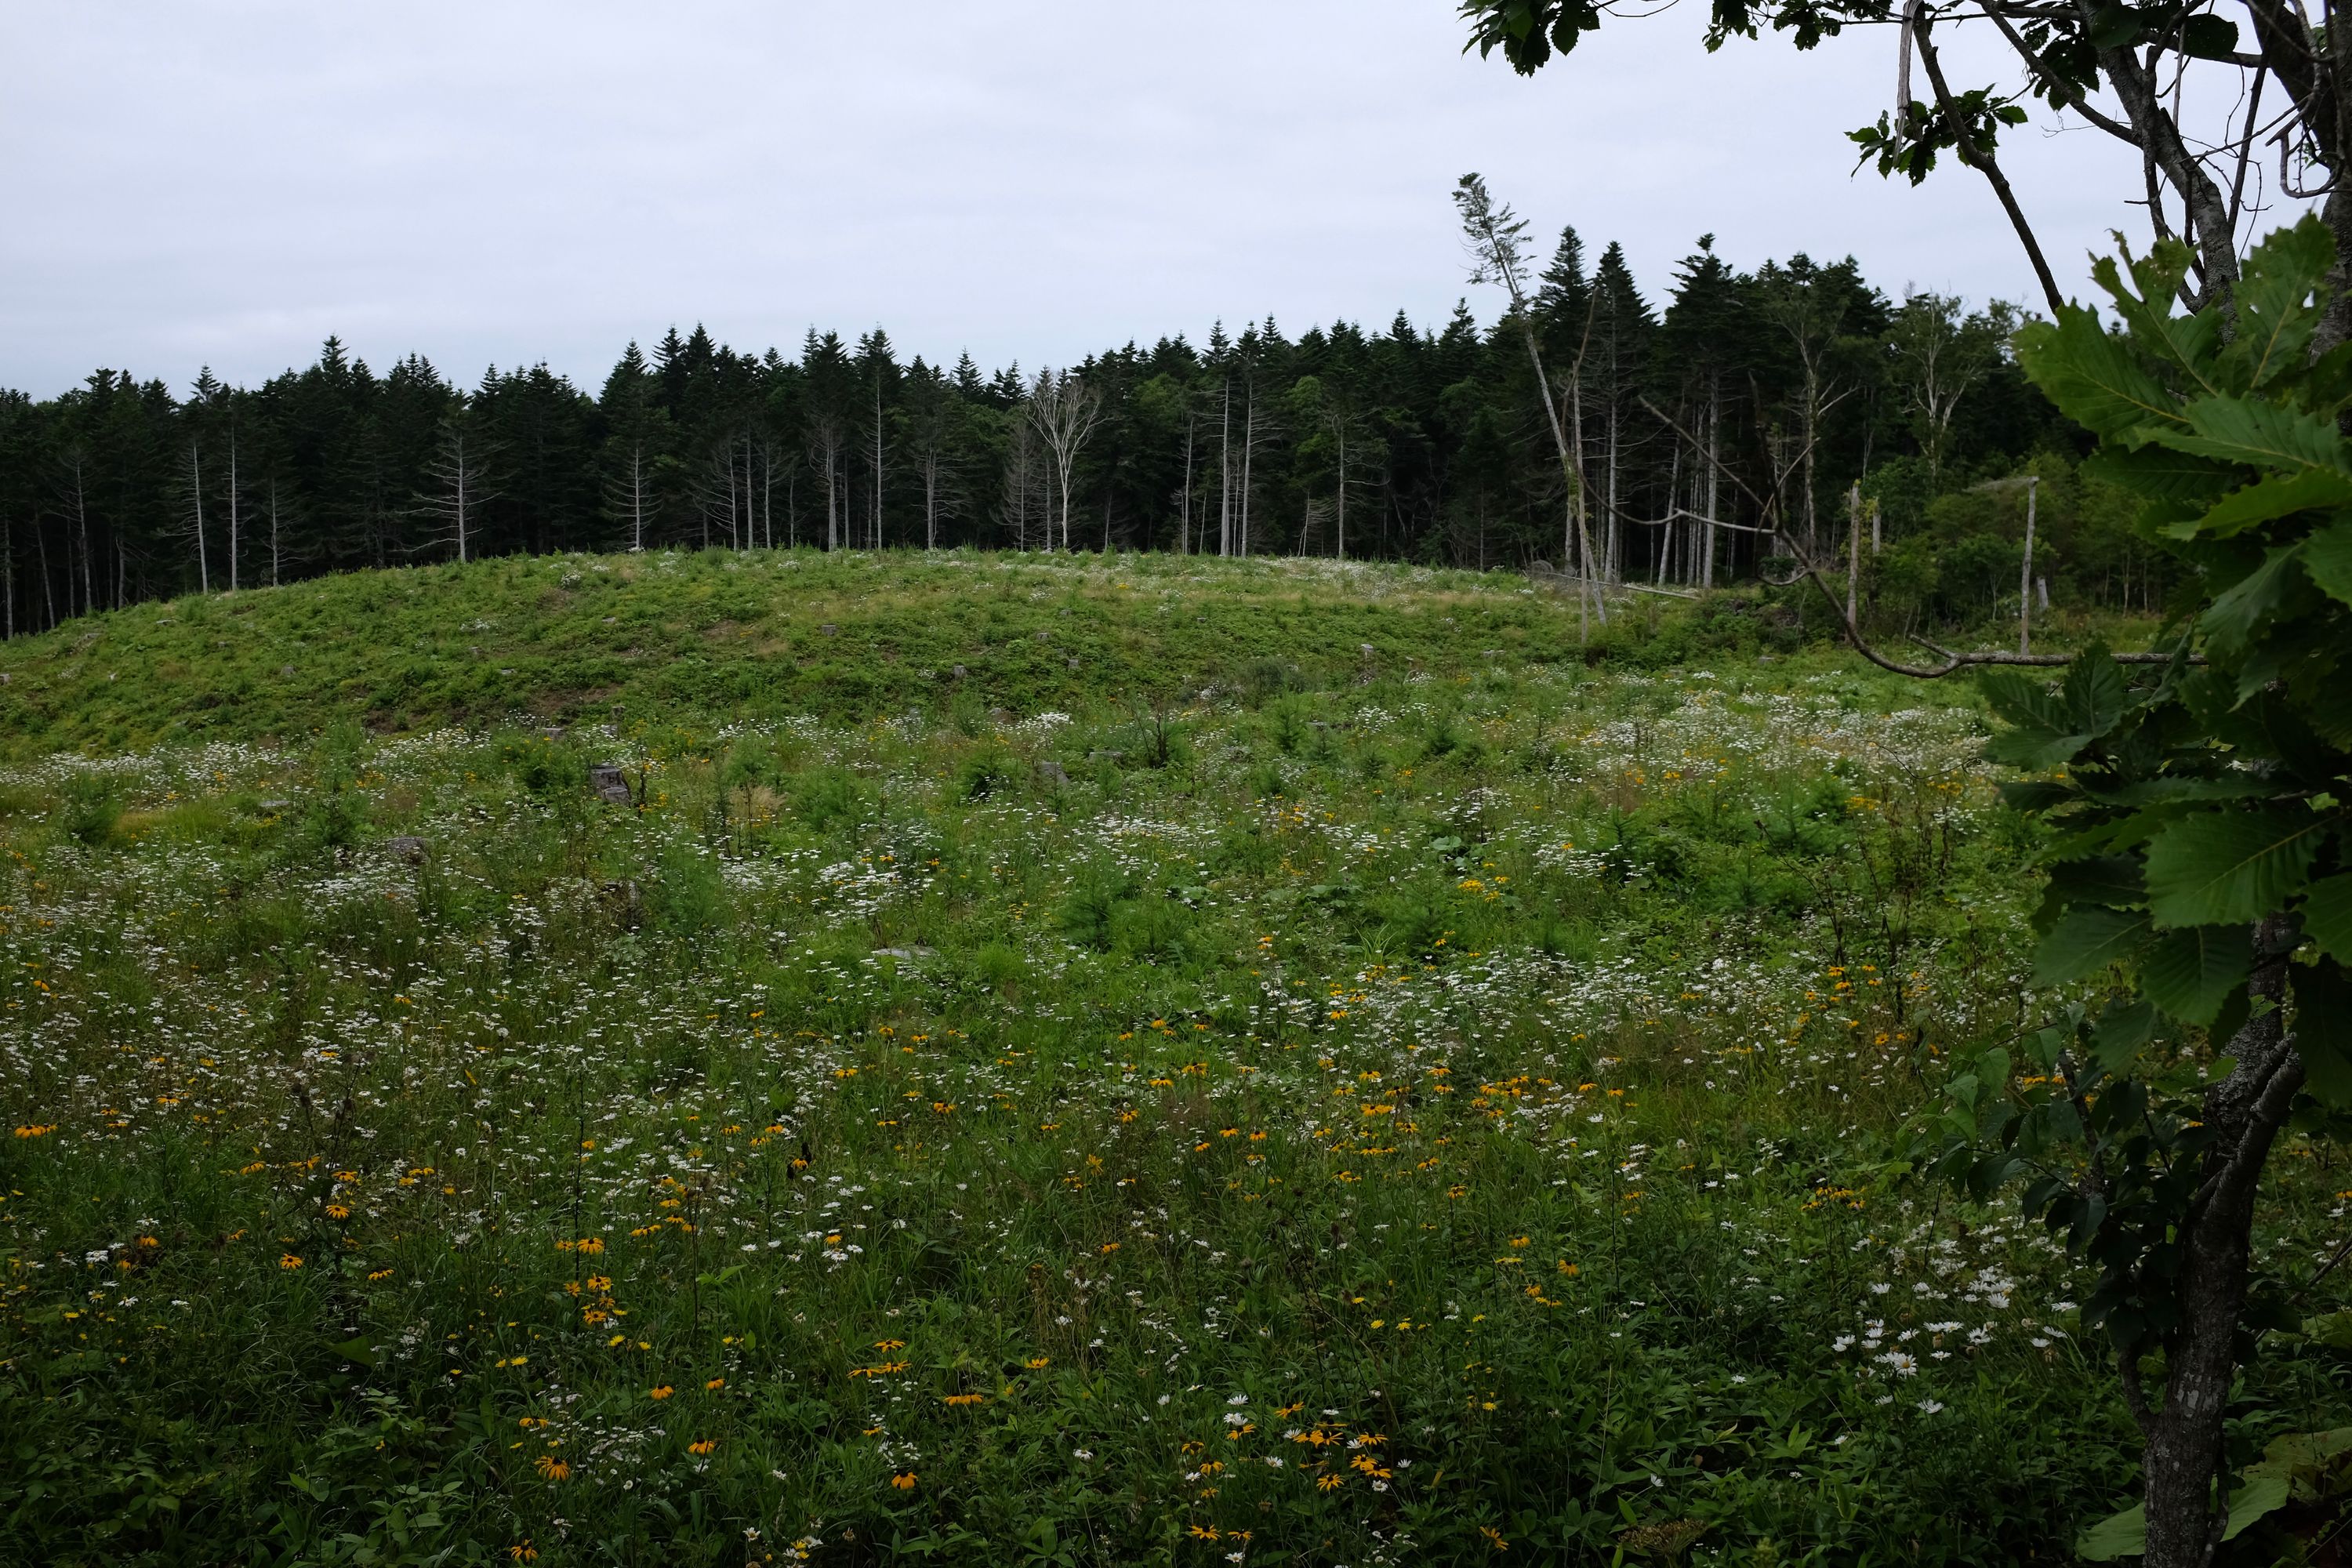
[827, 438]
[460, 474]
[1943, 353]
[1025, 490]
[629, 495]
[1497, 239]
[1064, 410]
[193, 483]
[1811, 323]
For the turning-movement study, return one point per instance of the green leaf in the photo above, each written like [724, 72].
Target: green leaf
[2302, 1451]
[2207, 36]
[2263, 1491]
[2105, 837]
[2323, 1031]
[2116, 880]
[2123, 1033]
[2222, 867]
[2278, 298]
[2332, 1330]
[2093, 376]
[2327, 916]
[2087, 941]
[2019, 699]
[2327, 558]
[2044, 731]
[2248, 430]
[2120, 1535]
[2114, 26]
[2192, 972]
[2242, 609]
[2036, 795]
[2160, 475]
[2265, 500]
[2094, 691]
[2187, 341]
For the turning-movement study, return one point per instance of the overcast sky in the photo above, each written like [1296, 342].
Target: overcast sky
[508, 181]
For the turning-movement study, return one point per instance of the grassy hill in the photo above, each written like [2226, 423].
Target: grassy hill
[756, 637]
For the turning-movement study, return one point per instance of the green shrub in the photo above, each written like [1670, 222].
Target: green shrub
[92, 808]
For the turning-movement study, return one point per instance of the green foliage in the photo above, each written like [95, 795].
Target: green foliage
[338, 809]
[2218, 785]
[2200, 812]
[827, 797]
[93, 809]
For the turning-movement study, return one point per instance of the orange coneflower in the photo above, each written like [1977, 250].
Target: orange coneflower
[904, 1481]
[553, 1468]
[664, 1392]
[704, 1446]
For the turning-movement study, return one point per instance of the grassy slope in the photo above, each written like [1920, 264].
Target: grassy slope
[740, 636]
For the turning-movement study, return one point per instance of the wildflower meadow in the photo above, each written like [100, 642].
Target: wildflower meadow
[1196, 1064]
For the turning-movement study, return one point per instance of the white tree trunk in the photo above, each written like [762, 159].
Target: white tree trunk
[232, 510]
[196, 492]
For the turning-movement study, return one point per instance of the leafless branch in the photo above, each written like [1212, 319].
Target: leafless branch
[1984, 163]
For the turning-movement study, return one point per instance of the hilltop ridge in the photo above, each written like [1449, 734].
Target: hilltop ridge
[851, 634]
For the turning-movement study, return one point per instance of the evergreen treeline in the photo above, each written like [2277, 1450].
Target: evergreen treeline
[1405, 444]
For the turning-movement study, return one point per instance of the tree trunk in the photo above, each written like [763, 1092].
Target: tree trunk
[1852, 548]
[48, 587]
[235, 513]
[2185, 1455]
[1813, 425]
[196, 491]
[1226, 472]
[1341, 549]
[1185, 501]
[2025, 579]
[1613, 566]
[1249, 447]
[1714, 447]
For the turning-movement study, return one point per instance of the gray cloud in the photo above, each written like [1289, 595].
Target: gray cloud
[226, 183]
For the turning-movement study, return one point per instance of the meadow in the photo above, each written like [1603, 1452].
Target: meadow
[1126, 1061]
